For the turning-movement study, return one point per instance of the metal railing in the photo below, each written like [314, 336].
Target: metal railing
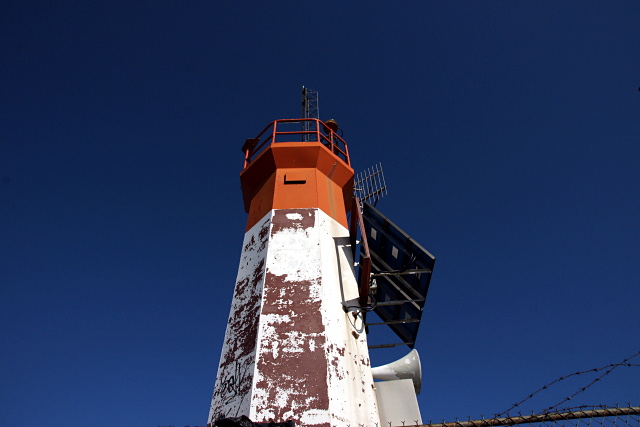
[313, 130]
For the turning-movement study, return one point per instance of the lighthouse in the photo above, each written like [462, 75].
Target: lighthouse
[294, 347]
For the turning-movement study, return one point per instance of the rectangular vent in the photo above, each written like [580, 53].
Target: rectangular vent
[295, 178]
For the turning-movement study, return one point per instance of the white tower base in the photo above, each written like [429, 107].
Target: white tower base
[290, 350]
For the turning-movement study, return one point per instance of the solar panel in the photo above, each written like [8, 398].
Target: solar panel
[400, 270]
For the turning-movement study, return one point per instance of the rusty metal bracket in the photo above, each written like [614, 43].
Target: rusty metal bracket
[365, 265]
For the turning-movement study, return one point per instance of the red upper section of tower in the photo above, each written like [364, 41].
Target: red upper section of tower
[296, 163]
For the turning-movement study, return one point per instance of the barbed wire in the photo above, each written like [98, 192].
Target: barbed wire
[606, 416]
[580, 408]
[610, 368]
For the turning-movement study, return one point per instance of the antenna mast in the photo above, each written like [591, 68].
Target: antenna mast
[310, 109]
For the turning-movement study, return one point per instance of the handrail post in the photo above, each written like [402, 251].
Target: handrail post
[353, 230]
[273, 133]
[333, 146]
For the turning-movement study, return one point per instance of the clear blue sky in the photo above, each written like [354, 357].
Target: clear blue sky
[509, 133]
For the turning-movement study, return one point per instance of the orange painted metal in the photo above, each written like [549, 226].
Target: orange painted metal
[274, 133]
[298, 174]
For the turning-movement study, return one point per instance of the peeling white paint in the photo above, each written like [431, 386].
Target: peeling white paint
[311, 258]
[238, 372]
[293, 216]
[315, 417]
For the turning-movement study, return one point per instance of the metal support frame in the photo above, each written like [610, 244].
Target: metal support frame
[310, 107]
[391, 345]
[365, 276]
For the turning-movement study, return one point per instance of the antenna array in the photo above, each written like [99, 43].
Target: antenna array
[369, 185]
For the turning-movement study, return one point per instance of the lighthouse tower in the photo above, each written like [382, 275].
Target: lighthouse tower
[292, 351]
